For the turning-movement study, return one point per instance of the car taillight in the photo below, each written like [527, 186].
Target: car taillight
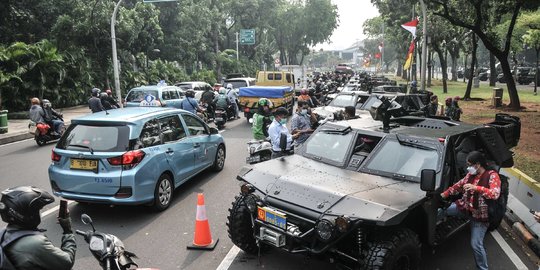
[128, 160]
[55, 157]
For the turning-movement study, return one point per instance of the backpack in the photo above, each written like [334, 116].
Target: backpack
[496, 207]
[5, 241]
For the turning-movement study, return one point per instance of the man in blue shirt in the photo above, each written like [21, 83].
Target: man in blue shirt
[279, 126]
[301, 123]
[190, 104]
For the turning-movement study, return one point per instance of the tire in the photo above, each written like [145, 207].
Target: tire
[219, 160]
[40, 140]
[163, 193]
[239, 226]
[399, 250]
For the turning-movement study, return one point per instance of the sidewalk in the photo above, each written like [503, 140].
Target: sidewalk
[18, 128]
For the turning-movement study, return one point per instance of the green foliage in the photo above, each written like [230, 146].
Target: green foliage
[205, 76]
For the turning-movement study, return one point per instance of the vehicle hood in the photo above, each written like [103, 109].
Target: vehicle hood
[327, 189]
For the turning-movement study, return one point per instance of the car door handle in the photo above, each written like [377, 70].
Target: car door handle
[196, 145]
[169, 151]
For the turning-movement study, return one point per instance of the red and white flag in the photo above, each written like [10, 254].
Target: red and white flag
[411, 26]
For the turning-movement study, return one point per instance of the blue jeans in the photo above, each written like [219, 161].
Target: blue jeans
[58, 125]
[478, 232]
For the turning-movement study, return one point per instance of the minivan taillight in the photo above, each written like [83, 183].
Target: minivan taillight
[128, 160]
[55, 157]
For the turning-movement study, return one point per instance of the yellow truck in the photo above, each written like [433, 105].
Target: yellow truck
[279, 96]
[276, 78]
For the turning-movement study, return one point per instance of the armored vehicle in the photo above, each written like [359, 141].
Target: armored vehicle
[364, 194]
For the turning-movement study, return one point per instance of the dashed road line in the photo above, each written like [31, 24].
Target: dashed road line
[52, 210]
[229, 259]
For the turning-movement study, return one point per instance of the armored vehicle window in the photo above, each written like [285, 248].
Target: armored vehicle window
[343, 101]
[328, 145]
[404, 160]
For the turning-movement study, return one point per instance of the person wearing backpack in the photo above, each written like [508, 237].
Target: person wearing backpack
[479, 186]
[24, 246]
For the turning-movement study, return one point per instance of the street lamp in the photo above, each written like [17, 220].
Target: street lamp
[114, 56]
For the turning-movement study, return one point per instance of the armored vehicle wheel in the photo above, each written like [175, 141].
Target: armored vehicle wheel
[399, 250]
[239, 226]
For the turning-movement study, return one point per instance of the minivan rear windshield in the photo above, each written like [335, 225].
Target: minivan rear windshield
[87, 138]
[138, 95]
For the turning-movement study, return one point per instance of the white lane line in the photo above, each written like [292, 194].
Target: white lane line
[7, 144]
[52, 210]
[228, 260]
[508, 250]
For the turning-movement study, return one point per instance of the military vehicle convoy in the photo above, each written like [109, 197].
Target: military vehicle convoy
[364, 193]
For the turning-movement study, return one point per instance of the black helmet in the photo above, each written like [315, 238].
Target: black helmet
[21, 205]
[190, 93]
[281, 111]
[95, 92]
[46, 103]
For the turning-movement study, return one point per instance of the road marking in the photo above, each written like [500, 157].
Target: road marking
[508, 250]
[15, 142]
[228, 260]
[52, 210]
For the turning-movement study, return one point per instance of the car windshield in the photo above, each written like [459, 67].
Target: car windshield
[138, 95]
[343, 101]
[87, 138]
[405, 160]
[236, 84]
[329, 145]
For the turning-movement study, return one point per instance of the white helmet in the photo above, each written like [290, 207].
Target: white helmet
[222, 91]
[229, 86]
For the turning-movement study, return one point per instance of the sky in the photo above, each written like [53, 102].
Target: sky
[352, 14]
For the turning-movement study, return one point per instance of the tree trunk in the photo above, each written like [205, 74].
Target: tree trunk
[430, 56]
[465, 66]
[467, 95]
[443, 67]
[453, 68]
[511, 84]
[535, 76]
[493, 71]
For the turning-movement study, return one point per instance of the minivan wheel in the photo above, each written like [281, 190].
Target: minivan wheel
[164, 193]
[219, 160]
[399, 250]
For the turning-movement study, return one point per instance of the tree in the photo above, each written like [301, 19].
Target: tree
[478, 16]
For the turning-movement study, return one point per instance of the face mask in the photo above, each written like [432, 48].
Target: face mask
[283, 121]
[304, 112]
[471, 170]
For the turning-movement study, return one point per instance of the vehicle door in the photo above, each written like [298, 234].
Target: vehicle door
[198, 136]
[178, 150]
[171, 97]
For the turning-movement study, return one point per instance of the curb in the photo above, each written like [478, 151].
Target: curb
[23, 135]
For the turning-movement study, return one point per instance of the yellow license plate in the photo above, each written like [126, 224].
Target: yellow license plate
[84, 164]
[272, 216]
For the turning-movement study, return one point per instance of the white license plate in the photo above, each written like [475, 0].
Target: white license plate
[253, 159]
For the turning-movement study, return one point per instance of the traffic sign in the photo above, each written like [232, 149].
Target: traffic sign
[247, 36]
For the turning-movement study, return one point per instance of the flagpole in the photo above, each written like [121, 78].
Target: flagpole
[424, 46]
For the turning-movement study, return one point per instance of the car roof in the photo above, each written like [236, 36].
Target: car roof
[240, 79]
[154, 87]
[128, 115]
[191, 82]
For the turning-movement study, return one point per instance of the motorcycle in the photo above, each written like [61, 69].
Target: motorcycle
[259, 151]
[43, 133]
[220, 118]
[107, 248]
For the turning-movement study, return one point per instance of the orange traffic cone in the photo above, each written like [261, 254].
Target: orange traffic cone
[203, 238]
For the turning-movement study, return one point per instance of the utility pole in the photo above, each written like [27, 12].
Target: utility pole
[424, 46]
[237, 46]
[115, 57]
[382, 50]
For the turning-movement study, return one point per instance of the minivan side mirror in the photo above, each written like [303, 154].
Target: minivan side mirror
[427, 180]
[214, 130]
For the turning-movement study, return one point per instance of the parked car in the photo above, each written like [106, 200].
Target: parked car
[198, 87]
[483, 74]
[154, 95]
[133, 156]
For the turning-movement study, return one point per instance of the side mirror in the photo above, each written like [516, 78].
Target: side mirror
[86, 219]
[427, 180]
[214, 130]
[283, 142]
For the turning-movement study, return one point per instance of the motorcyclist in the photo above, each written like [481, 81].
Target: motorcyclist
[233, 98]
[414, 87]
[261, 120]
[222, 101]
[52, 117]
[189, 103]
[94, 103]
[111, 100]
[36, 111]
[304, 97]
[277, 127]
[207, 97]
[19, 208]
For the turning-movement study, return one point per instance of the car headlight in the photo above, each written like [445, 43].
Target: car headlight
[343, 223]
[324, 229]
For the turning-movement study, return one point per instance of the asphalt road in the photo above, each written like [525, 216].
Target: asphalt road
[160, 239]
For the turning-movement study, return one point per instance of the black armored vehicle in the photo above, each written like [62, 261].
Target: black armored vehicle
[364, 194]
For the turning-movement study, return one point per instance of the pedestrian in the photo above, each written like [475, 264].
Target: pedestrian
[472, 203]
[432, 108]
[94, 103]
[448, 107]
[301, 123]
[233, 98]
[52, 117]
[36, 112]
[278, 127]
[189, 103]
[456, 110]
[261, 120]
[21, 211]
